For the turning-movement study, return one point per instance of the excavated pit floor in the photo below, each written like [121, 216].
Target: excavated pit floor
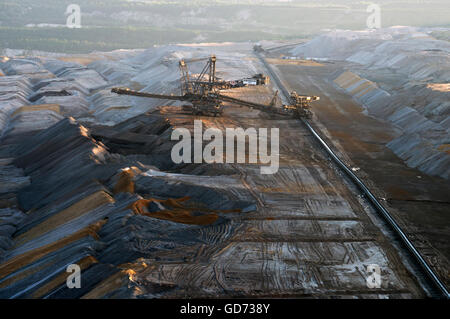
[88, 194]
[309, 237]
[419, 202]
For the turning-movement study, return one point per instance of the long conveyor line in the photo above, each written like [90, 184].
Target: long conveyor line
[425, 267]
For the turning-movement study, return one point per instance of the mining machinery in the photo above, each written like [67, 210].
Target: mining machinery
[258, 48]
[210, 103]
[189, 84]
[203, 90]
[300, 106]
[200, 85]
[261, 79]
[203, 93]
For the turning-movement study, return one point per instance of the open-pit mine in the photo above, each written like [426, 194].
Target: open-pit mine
[357, 207]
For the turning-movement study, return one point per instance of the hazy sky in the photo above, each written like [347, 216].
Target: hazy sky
[111, 24]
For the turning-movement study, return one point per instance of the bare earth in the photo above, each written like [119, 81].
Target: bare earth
[310, 236]
[419, 202]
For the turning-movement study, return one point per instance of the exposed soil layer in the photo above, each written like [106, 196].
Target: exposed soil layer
[298, 240]
[92, 182]
[419, 202]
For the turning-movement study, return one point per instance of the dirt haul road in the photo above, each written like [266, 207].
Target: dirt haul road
[418, 202]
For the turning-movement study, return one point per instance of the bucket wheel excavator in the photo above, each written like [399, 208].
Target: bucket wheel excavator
[201, 91]
[203, 94]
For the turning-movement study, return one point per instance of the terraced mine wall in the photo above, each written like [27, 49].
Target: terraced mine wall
[83, 207]
[423, 143]
[74, 195]
[404, 81]
[97, 188]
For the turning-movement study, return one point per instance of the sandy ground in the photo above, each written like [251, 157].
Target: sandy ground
[419, 202]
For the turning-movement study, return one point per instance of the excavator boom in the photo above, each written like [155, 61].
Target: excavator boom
[126, 91]
[203, 93]
[202, 101]
[262, 107]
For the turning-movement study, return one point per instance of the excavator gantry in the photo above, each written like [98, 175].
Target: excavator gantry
[205, 98]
